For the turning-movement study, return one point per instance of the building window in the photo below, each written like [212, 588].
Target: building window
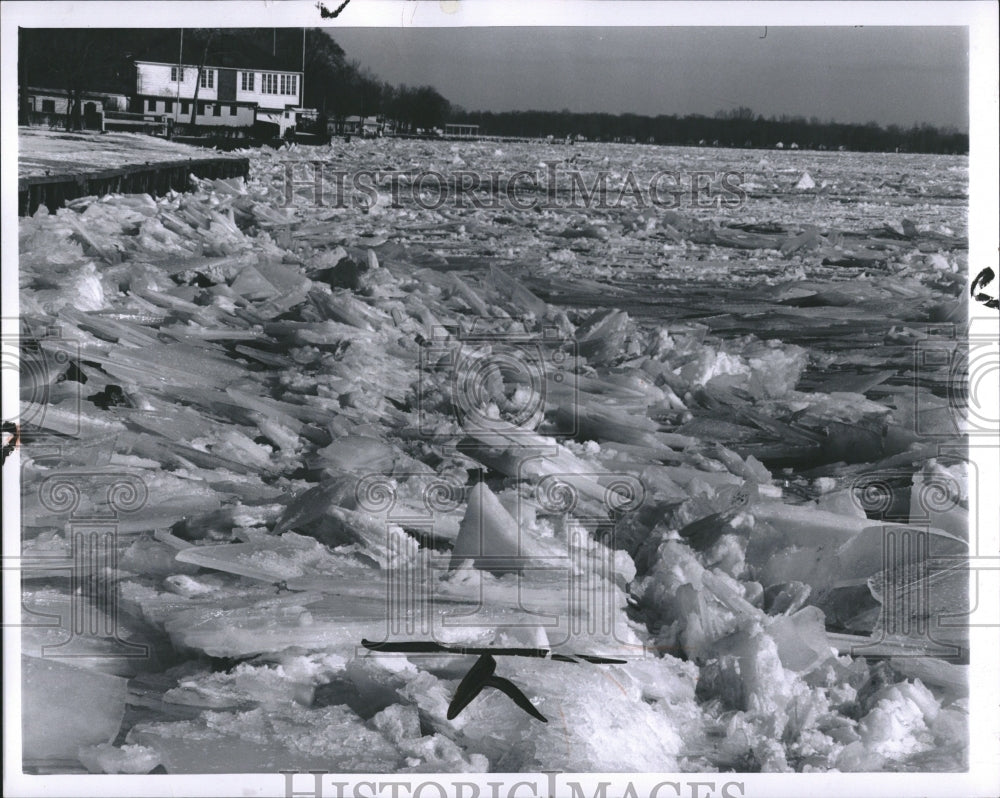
[269, 83]
[232, 110]
[201, 109]
[287, 84]
[217, 110]
[292, 80]
[185, 107]
[208, 78]
[151, 105]
[176, 74]
[168, 106]
[48, 106]
[246, 81]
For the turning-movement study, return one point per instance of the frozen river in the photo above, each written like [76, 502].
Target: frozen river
[690, 439]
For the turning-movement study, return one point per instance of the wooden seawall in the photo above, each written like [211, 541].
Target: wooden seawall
[155, 179]
[56, 166]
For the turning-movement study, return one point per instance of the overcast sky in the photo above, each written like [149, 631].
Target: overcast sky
[850, 74]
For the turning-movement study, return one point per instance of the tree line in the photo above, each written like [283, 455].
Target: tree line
[79, 60]
[736, 128]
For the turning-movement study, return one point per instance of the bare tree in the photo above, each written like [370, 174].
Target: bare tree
[201, 68]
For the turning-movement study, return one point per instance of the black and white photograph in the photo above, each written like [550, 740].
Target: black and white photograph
[497, 400]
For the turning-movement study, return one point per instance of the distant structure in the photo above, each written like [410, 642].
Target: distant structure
[364, 126]
[50, 107]
[227, 97]
[461, 130]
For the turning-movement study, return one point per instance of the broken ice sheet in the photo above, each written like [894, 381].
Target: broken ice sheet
[332, 739]
[258, 389]
[66, 707]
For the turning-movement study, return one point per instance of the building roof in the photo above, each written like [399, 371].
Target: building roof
[65, 92]
[213, 66]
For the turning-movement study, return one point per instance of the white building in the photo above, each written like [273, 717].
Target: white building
[461, 130]
[210, 112]
[224, 94]
[98, 110]
[57, 101]
[368, 126]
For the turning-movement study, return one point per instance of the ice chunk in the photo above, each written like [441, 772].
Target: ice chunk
[801, 639]
[397, 722]
[251, 284]
[824, 564]
[116, 643]
[332, 739]
[64, 707]
[129, 759]
[244, 686]
[805, 182]
[601, 338]
[806, 526]
[438, 754]
[400, 724]
[270, 559]
[951, 728]
[491, 537]
[80, 288]
[767, 686]
[938, 497]
[520, 299]
[348, 273]
[896, 726]
[856, 757]
[319, 512]
[273, 625]
[953, 678]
